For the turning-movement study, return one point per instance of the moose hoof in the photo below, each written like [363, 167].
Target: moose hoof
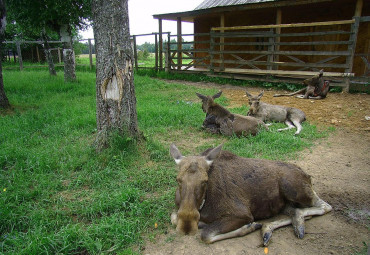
[299, 231]
[266, 238]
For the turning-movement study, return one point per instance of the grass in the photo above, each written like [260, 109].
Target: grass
[57, 196]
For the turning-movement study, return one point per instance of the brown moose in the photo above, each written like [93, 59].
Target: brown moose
[226, 122]
[224, 195]
[291, 116]
[316, 88]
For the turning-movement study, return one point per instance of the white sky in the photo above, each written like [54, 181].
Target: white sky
[142, 21]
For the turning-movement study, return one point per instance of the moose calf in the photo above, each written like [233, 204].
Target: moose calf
[292, 117]
[228, 122]
[225, 194]
[317, 88]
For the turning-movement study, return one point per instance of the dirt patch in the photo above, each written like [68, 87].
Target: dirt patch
[340, 169]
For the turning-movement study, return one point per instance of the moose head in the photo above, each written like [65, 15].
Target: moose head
[192, 181]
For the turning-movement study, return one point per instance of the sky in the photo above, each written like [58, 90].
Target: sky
[142, 22]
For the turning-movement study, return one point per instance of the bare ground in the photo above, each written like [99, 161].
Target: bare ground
[340, 169]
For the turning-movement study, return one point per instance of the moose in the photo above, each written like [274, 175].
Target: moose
[316, 88]
[291, 116]
[219, 118]
[224, 195]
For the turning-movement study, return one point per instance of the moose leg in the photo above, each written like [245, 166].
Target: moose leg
[227, 228]
[289, 124]
[298, 125]
[319, 207]
[291, 94]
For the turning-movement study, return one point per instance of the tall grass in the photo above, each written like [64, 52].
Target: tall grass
[57, 196]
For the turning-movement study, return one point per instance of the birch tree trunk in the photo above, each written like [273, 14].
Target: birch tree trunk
[115, 91]
[4, 102]
[49, 57]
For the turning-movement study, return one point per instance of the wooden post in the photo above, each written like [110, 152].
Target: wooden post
[135, 53]
[156, 51]
[351, 49]
[90, 54]
[179, 44]
[19, 56]
[168, 57]
[222, 40]
[59, 56]
[270, 56]
[277, 39]
[38, 54]
[160, 44]
[211, 49]
[358, 10]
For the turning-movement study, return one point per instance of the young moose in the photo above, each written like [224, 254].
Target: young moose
[292, 117]
[227, 122]
[317, 88]
[225, 194]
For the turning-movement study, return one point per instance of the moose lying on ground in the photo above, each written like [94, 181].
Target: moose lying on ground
[228, 122]
[317, 88]
[291, 116]
[225, 194]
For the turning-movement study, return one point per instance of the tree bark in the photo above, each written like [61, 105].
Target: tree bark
[4, 102]
[115, 91]
[68, 55]
[49, 57]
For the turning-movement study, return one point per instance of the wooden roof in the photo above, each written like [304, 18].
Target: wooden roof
[206, 4]
[215, 7]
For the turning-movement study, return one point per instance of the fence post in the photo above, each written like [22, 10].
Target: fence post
[270, 57]
[179, 44]
[156, 52]
[19, 55]
[351, 50]
[90, 54]
[169, 57]
[135, 52]
[59, 56]
[160, 45]
[38, 53]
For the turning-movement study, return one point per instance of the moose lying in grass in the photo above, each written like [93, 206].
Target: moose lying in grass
[316, 88]
[291, 116]
[219, 118]
[225, 194]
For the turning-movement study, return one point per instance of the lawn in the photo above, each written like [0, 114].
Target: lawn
[58, 196]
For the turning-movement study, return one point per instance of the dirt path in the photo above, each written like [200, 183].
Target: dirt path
[340, 168]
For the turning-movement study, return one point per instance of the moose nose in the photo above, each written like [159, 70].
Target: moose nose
[187, 222]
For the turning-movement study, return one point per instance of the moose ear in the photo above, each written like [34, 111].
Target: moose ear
[213, 154]
[321, 72]
[248, 95]
[217, 95]
[260, 95]
[176, 154]
[201, 96]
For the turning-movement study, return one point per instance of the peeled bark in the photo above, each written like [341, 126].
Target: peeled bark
[69, 65]
[115, 91]
[49, 57]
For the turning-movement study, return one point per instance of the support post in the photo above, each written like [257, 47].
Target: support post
[211, 53]
[168, 53]
[351, 49]
[270, 56]
[90, 54]
[160, 44]
[156, 51]
[277, 39]
[222, 41]
[20, 60]
[38, 54]
[135, 53]
[59, 56]
[179, 44]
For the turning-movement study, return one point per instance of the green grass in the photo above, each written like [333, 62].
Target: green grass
[57, 196]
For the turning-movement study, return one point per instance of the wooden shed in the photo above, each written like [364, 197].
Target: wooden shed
[273, 39]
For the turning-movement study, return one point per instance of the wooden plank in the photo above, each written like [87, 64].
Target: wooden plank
[326, 23]
[297, 53]
[281, 72]
[265, 63]
[248, 35]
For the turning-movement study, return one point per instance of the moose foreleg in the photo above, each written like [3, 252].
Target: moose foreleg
[227, 228]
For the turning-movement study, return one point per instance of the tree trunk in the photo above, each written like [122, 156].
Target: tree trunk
[68, 55]
[115, 92]
[4, 102]
[49, 57]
